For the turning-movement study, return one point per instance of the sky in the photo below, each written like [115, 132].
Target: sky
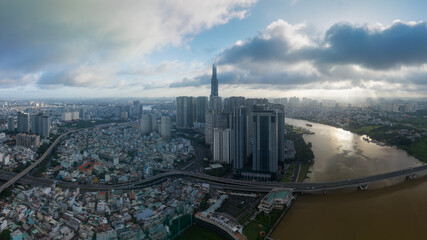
[321, 49]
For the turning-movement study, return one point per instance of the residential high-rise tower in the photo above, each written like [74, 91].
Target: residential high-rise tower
[23, 122]
[214, 82]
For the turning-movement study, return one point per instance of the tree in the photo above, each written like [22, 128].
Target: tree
[5, 235]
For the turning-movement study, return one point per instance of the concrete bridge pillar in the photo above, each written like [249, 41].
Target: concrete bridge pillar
[363, 187]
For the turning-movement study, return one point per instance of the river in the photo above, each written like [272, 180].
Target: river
[340, 154]
[394, 212]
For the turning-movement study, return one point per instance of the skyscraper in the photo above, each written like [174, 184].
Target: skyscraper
[214, 82]
[185, 112]
[40, 124]
[202, 104]
[11, 124]
[165, 127]
[154, 127]
[233, 102]
[280, 108]
[146, 123]
[216, 103]
[221, 148]
[136, 109]
[23, 122]
[82, 114]
[238, 138]
[45, 126]
[267, 134]
[215, 119]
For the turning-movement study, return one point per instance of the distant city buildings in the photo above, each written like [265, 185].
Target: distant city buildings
[40, 125]
[165, 127]
[27, 141]
[216, 103]
[136, 109]
[214, 82]
[202, 106]
[232, 102]
[70, 116]
[154, 127]
[146, 123]
[23, 121]
[11, 124]
[185, 111]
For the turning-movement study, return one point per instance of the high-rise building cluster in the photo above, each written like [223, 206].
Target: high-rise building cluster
[23, 122]
[38, 124]
[70, 116]
[149, 124]
[246, 133]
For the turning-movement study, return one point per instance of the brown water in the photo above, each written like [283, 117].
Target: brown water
[396, 212]
[340, 154]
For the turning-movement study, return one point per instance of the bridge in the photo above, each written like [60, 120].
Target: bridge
[17, 177]
[225, 183]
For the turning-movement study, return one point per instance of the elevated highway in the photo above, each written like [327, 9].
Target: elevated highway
[362, 182]
[17, 177]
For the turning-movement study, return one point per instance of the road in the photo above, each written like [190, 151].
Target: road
[233, 184]
[197, 163]
[297, 172]
[48, 151]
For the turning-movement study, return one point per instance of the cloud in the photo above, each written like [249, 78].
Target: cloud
[399, 44]
[61, 41]
[347, 56]
[274, 44]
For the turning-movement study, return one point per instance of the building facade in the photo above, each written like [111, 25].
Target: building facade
[23, 122]
[185, 111]
[214, 82]
[238, 138]
[40, 125]
[165, 127]
[221, 145]
[267, 134]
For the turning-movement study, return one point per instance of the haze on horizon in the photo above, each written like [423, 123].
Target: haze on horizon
[333, 49]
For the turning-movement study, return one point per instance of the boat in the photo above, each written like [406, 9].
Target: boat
[309, 125]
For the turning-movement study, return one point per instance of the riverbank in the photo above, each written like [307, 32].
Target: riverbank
[304, 154]
[416, 148]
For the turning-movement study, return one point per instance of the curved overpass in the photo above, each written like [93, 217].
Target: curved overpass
[228, 183]
[13, 180]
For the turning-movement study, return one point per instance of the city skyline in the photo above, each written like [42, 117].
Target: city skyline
[345, 49]
[205, 120]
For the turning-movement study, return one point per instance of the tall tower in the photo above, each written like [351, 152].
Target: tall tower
[185, 111]
[165, 127]
[267, 127]
[214, 82]
[238, 138]
[23, 122]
